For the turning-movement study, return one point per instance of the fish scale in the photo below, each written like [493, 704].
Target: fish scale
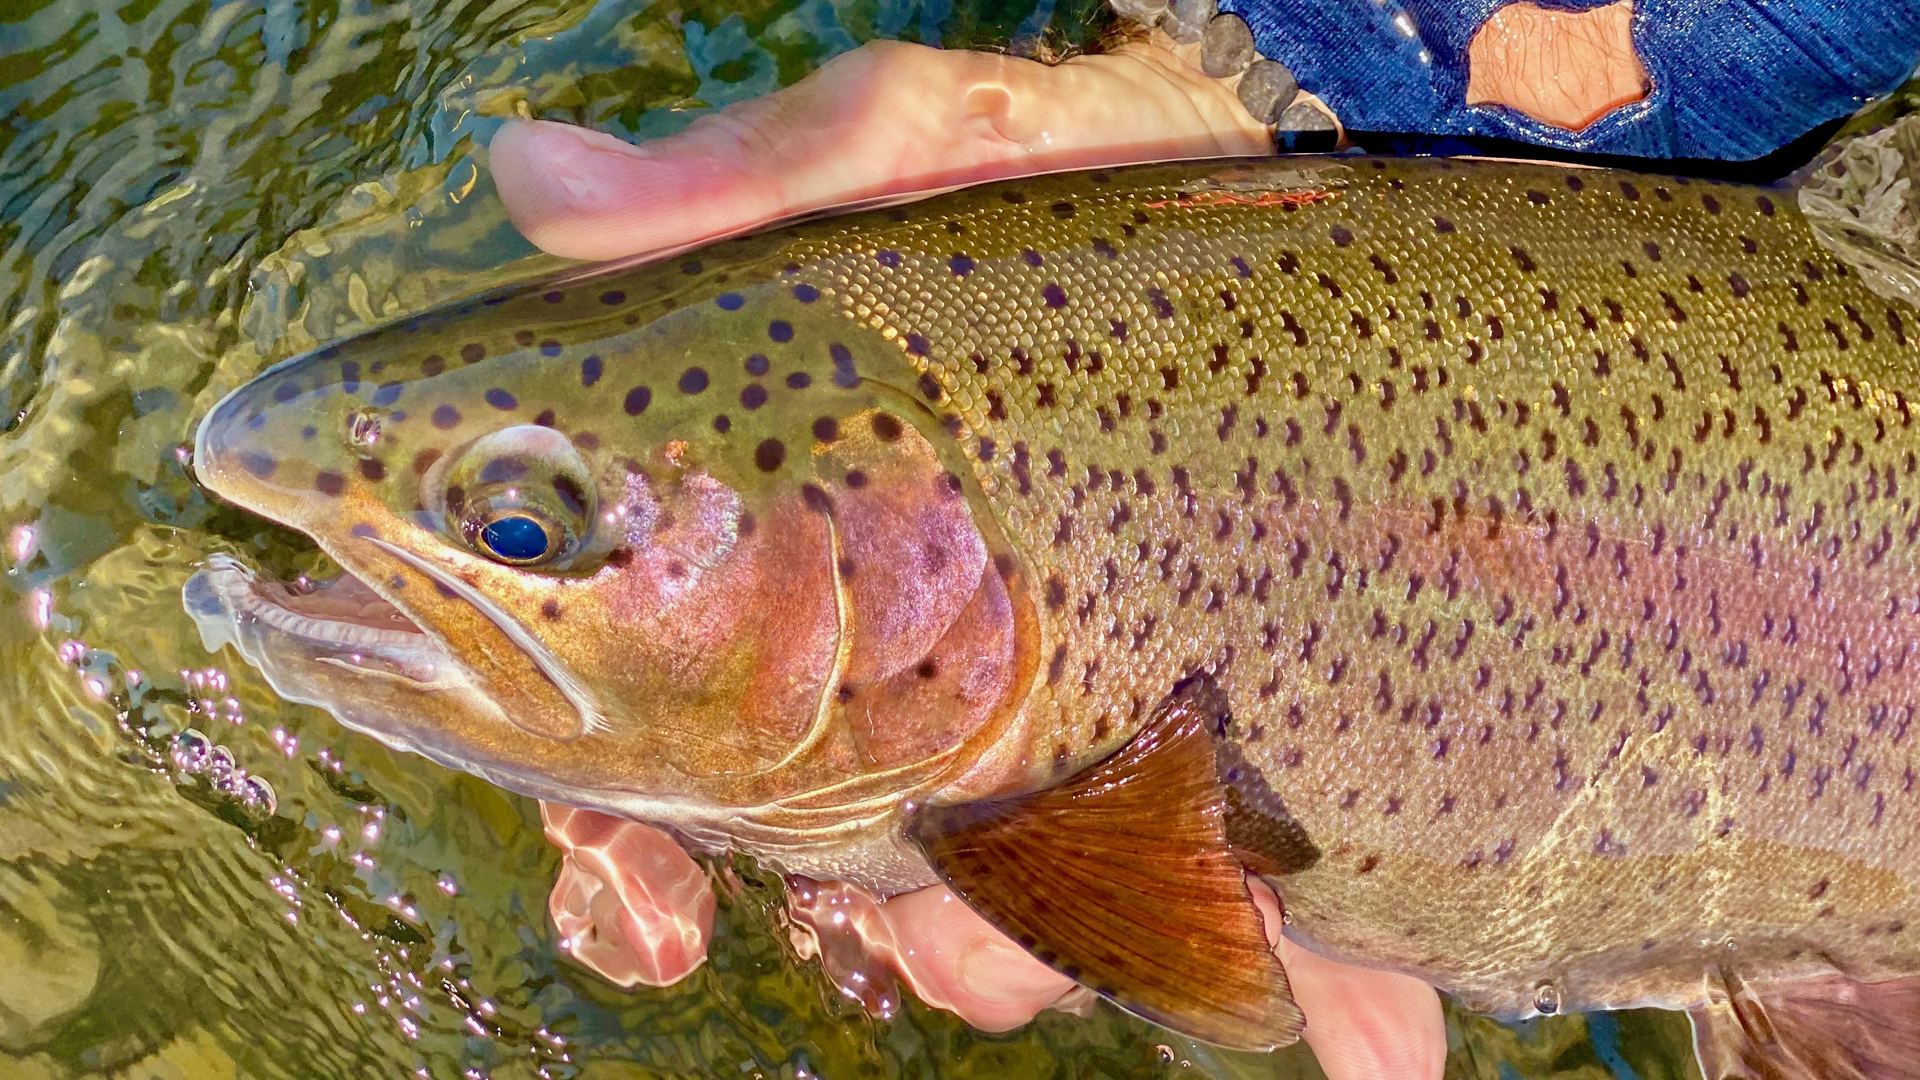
[1516, 564]
[1550, 532]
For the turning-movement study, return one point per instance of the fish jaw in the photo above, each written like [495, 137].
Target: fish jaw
[773, 629]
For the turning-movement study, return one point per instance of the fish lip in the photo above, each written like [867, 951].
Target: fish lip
[226, 590]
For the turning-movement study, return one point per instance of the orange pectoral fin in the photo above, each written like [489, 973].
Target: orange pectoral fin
[1122, 878]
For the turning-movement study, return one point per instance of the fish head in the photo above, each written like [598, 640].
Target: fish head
[718, 559]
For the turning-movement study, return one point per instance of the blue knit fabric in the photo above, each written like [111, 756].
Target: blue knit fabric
[1732, 79]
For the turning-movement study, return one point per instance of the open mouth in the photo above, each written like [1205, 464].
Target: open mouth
[340, 621]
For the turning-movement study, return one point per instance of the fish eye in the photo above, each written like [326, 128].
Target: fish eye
[517, 538]
[521, 496]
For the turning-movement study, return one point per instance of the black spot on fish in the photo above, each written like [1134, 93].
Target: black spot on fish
[693, 380]
[329, 482]
[960, 265]
[1632, 193]
[730, 301]
[805, 293]
[1538, 198]
[888, 259]
[613, 296]
[753, 396]
[286, 391]
[638, 399]
[501, 400]
[570, 493]
[446, 416]
[769, 455]
[553, 297]
[1712, 204]
[844, 375]
[826, 429]
[373, 469]
[918, 346]
[799, 380]
[1341, 235]
[549, 348]
[886, 428]
[757, 364]
[433, 365]
[780, 330]
[1765, 204]
[1055, 296]
[387, 394]
[473, 352]
[550, 609]
[590, 370]
[503, 470]
[1441, 224]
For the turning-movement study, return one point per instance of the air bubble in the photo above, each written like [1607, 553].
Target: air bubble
[256, 795]
[1546, 999]
[192, 751]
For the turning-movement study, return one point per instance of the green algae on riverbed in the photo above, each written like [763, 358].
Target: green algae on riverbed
[191, 191]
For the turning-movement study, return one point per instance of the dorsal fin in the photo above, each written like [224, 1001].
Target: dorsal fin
[1121, 878]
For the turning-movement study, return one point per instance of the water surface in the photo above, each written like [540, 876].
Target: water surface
[198, 881]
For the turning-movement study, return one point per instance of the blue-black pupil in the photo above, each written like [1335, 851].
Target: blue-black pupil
[518, 538]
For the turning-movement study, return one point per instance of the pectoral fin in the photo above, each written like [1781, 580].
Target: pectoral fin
[1122, 878]
[1830, 1028]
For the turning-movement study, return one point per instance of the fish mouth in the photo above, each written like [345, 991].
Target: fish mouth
[341, 621]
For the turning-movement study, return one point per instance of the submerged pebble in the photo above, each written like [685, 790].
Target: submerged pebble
[1305, 118]
[1187, 20]
[1144, 12]
[1267, 89]
[1227, 47]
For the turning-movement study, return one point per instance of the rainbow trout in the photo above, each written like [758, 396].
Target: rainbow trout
[1515, 566]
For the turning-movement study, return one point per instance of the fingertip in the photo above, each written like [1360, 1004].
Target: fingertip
[1365, 1024]
[583, 194]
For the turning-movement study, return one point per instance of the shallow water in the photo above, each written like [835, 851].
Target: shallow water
[199, 881]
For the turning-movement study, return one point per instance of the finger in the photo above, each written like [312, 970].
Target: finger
[629, 903]
[1365, 1024]
[883, 119]
[948, 955]
[1362, 1024]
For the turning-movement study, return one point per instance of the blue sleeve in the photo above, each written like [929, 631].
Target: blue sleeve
[1731, 79]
